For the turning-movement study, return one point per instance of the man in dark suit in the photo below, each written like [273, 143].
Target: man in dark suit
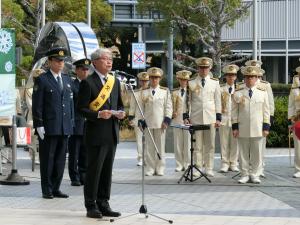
[77, 152]
[99, 101]
[52, 102]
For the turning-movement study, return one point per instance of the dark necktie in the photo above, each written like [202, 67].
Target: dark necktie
[153, 92]
[202, 82]
[230, 90]
[60, 84]
[105, 79]
[250, 93]
[182, 92]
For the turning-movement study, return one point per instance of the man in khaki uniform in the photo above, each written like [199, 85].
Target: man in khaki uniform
[250, 123]
[265, 85]
[294, 116]
[135, 115]
[205, 101]
[157, 108]
[229, 148]
[181, 137]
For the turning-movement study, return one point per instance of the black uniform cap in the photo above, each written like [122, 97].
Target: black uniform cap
[85, 63]
[59, 53]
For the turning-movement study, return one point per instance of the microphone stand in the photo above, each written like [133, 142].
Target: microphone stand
[143, 207]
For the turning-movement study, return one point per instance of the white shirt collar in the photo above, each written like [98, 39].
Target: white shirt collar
[55, 75]
[101, 76]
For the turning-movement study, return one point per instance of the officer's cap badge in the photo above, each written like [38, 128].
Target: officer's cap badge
[61, 53]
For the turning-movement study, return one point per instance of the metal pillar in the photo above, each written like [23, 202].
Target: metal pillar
[287, 41]
[88, 13]
[170, 59]
[254, 30]
[14, 178]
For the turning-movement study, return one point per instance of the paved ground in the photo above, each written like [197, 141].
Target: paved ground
[224, 201]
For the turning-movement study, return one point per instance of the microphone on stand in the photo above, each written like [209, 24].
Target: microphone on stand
[124, 74]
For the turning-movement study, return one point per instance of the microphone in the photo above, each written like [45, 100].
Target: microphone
[124, 74]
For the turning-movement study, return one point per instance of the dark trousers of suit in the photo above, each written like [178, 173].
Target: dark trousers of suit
[77, 158]
[99, 172]
[52, 152]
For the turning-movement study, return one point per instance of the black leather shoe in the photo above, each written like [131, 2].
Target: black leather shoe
[110, 213]
[105, 209]
[75, 183]
[93, 213]
[48, 196]
[59, 194]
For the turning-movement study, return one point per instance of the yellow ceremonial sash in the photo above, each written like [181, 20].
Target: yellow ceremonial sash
[96, 104]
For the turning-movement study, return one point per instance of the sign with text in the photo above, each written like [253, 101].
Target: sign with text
[7, 75]
[138, 56]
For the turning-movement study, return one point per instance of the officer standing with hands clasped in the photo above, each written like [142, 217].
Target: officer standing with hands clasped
[100, 102]
[250, 123]
[157, 108]
[229, 148]
[181, 137]
[205, 101]
[77, 152]
[135, 115]
[52, 102]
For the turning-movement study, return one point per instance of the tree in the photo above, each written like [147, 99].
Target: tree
[206, 18]
[15, 12]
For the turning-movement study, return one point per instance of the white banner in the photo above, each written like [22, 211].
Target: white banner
[138, 56]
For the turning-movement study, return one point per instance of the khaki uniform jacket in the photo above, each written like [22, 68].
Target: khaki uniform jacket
[226, 99]
[134, 111]
[294, 102]
[179, 105]
[266, 85]
[156, 107]
[250, 113]
[205, 101]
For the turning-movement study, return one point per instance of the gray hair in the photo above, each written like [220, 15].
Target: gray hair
[99, 52]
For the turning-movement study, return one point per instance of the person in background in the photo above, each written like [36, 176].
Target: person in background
[76, 147]
[135, 115]
[229, 146]
[28, 99]
[182, 141]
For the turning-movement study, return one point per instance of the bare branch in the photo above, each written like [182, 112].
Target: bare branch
[178, 64]
[26, 7]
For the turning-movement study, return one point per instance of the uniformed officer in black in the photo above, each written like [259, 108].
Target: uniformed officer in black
[52, 103]
[77, 152]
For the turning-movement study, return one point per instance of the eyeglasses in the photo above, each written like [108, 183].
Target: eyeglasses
[106, 59]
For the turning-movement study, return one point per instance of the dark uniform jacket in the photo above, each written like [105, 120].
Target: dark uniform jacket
[51, 108]
[99, 131]
[79, 119]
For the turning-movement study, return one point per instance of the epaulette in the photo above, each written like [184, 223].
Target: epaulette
[137, 90]
[222, 85]
[295, 87]
[192, 78]
[164, 88]
[176, 89]
[261, 88]
[263, 81]
[213, 78]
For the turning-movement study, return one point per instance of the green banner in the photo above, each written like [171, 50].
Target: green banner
[7, 75]
[7, 51]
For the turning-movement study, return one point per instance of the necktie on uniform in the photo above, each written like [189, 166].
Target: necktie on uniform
[153, 92]
[182, 92]
[60, 83]
[250, 93]
[202, 82]
[230, 90]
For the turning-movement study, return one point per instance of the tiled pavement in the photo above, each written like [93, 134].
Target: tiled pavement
[224, 201]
